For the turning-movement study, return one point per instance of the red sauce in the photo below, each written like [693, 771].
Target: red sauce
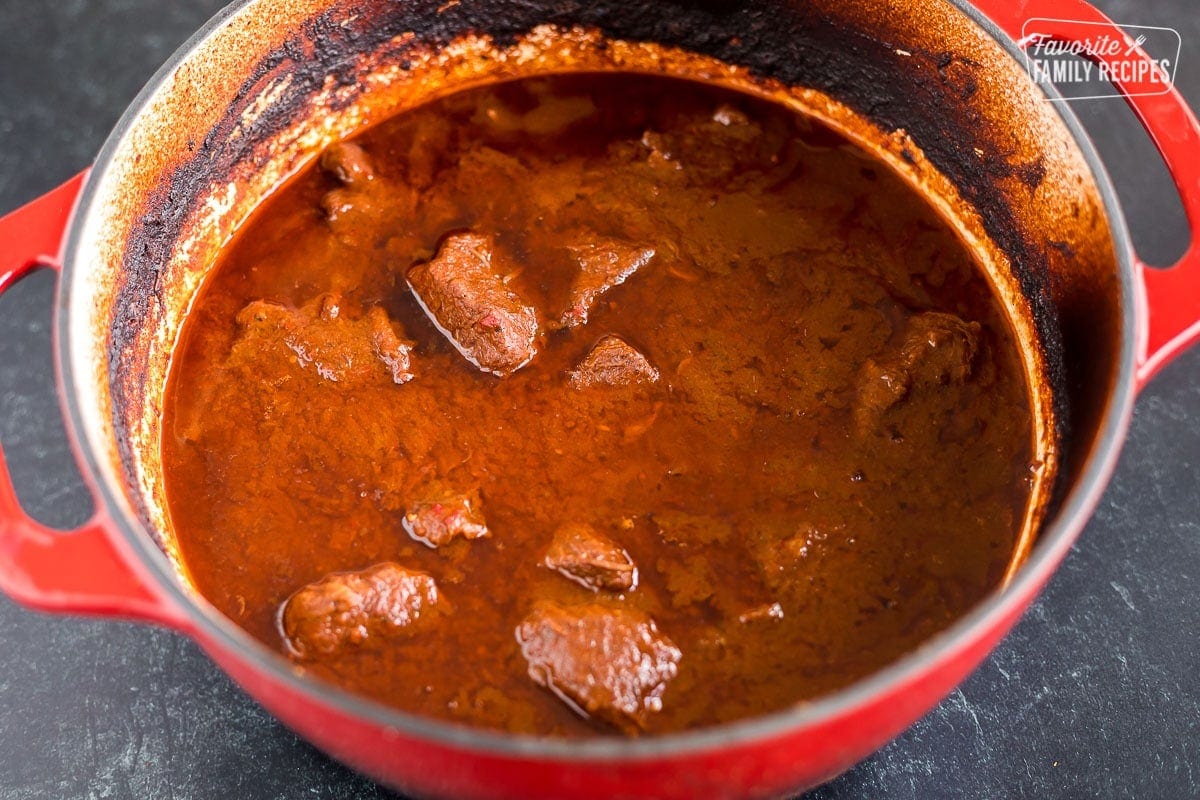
[666, 406]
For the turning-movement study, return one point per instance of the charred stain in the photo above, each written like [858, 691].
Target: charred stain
[1031, 173]
[1063, 248]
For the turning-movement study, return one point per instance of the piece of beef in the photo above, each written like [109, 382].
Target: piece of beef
[613, 362]
[937, 350]
[338, 203]
[581, 554]
[341, 347]
[443, 515]
[719, 151]
[940, 348]
[359, 195]
[610, 664]
[348, 163]
[346, 609]
[470, 302]
[603, 264]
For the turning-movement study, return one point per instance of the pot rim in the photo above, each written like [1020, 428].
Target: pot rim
[208, 626]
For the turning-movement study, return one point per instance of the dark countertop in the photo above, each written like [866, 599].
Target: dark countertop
[1095, 694]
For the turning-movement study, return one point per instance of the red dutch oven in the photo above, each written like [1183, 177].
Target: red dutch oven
[265, 85]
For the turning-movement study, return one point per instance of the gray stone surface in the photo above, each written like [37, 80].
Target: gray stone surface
[1096, 693]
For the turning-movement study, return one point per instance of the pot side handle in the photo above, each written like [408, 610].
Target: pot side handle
[82, 571]
[1170, 297]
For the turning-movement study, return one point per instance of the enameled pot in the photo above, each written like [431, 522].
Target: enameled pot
[937, 88]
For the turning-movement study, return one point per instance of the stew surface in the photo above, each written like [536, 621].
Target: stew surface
[596, 403]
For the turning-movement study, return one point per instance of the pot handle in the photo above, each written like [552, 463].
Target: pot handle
[82, 571]
[1170, 297]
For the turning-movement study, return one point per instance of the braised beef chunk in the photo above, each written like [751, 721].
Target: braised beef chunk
[469, 300]
[340, 346]
[938, 350]
[613, 362]
[357, 195]
[721, 150]
[611, 664]
[346, 609]
[348, 163]
[337, 203]
[581, 554]
[443, 515]
[603, 264]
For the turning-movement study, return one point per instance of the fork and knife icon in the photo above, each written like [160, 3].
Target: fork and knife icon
[1138, 42]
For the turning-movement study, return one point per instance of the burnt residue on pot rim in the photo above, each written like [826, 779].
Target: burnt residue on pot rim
[142, 290]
